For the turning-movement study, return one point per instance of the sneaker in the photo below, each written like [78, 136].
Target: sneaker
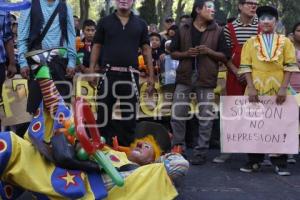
[266, 162]
[250, 167]
[197, 160]
[291, 159]
[221, 158]
[282, 171]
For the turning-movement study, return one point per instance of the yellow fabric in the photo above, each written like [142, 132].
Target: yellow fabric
[49, 128]
[28, 169]
[122, 158]
[268, 75]
[146, 183]
[261, 49]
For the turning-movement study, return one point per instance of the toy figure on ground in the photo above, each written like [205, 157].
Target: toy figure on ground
[46, 162]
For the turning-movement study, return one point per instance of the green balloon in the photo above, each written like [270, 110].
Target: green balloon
[71, 130]
[103, 140]
[82, 155]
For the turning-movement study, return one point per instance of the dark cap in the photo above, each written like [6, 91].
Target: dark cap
[154, 34]
[158, 131]
[169, 20]
[173, 27]
[267, 10]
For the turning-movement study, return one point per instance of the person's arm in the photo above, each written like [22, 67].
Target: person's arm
[282, 93]
[23, 35]
[230, 66]
[175, 164]
[252, 92]
[222, 53]
[71, 43]
[215, 55]
[146, 50]
[290, 65]
[9, 47]
[246, 69]
[97, 46]
[95, 54]
[177, 55]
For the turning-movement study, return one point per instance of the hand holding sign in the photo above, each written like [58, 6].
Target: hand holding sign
[281, 95]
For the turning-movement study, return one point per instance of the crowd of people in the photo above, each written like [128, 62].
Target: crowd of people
[122, 47]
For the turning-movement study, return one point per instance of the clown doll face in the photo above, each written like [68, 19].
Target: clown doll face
[267, 23]
[124, 4]
[142, 154]
[208, 11]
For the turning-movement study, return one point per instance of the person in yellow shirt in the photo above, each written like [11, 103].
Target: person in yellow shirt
[268, 60]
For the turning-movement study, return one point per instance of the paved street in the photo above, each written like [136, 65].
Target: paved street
[225, 182]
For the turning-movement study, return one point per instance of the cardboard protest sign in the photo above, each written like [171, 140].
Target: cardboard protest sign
[263, 127]
[14, 101]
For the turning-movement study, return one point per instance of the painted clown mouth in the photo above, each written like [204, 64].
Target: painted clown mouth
[136, 151]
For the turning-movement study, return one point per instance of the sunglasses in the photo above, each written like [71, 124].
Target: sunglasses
[251, 4]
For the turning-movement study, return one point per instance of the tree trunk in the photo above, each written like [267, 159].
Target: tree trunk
[179, 10]
[107, 7]
[165, 10]
[84, 10]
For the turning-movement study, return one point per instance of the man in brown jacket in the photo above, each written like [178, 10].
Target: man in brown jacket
[199, 45]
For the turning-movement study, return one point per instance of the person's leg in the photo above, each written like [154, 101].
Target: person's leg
[58, 72]
[180, 108]
[205, 117]
[253, 163]
[191, 132]
[105, 102]
[280, 164]
[126, 93]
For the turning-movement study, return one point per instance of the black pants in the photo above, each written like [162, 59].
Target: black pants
[2, 76]
[109, 91]
[280, 161]
[63, 84]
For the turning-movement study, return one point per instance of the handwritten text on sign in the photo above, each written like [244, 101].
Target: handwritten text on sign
[264, 127]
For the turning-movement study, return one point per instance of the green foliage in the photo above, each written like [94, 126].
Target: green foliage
[289, 9]
[148, 11]
[291, 14]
